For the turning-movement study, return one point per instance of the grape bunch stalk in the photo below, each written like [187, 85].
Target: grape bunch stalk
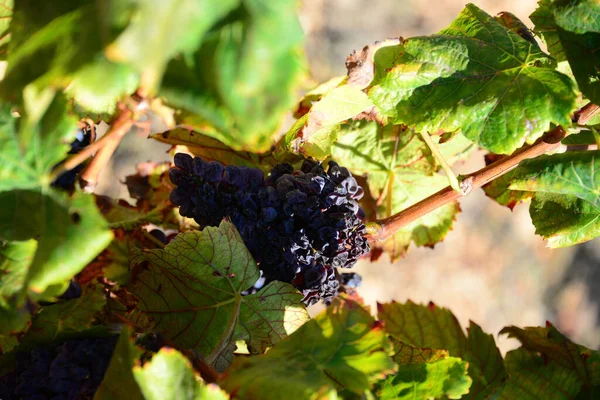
[299, 225]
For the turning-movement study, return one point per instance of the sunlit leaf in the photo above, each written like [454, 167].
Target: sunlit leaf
[425, 374]
[318, 133]
[436, 328]
[169, 375]
[341, 348]
[566, 205]
[475, 76]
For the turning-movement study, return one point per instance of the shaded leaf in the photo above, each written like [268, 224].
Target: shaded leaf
[341, 348]
[70, 233]
[54, 44]
[119, 382]
[210, 149]
[557, 348]
[192, 290]
[531, 378]
[169, 375]
[242, 79]
[548, 366]
[160, 30]
[15, 258]
[425, 374]
[66, 319]
[121, 214]
[28, 154]
[436, 328]
[471, 77]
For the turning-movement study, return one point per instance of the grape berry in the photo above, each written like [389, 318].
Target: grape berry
[298, 225]
[71, 370]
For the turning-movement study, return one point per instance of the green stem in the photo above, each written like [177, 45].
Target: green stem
[452, 179]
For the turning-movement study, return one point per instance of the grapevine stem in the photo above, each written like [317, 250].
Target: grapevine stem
[115, 134]
[443, 163]
[384, 228]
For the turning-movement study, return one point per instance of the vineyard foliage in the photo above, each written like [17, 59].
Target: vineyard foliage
[179, 300]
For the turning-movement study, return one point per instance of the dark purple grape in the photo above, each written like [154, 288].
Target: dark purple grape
[298, 225]
[72, 292]
[72, 369]
[67, 179]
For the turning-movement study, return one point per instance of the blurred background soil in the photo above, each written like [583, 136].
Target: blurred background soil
[491, 268]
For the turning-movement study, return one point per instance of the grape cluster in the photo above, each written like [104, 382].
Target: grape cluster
[298, 225]
[71, 370]
[66, 180]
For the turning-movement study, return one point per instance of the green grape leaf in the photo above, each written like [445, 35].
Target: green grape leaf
[192, 290]
[512, 22]
[545, 27]
[15, 258]
[318, 133]
[401, 171]
[572, 174]
[425, 374]
[169, 375]
[121, 214]
[566, 203]
[315, 94]
[578, 16]
[532, 378]
[548, 366]
[475, 76]
[119, 382]
[210, 149]
[55, 45]
[498, 190]
[160, 30]
[564, 220]
[436, 328]
[6, 11]
[405, 190]
[557, 348]
[97, 86]
[28, 156]
[243, 78]
[71, 233]
[66, 319]
[341, 348]
[572, 29]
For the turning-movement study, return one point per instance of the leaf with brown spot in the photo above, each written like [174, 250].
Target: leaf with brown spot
[192, 292]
